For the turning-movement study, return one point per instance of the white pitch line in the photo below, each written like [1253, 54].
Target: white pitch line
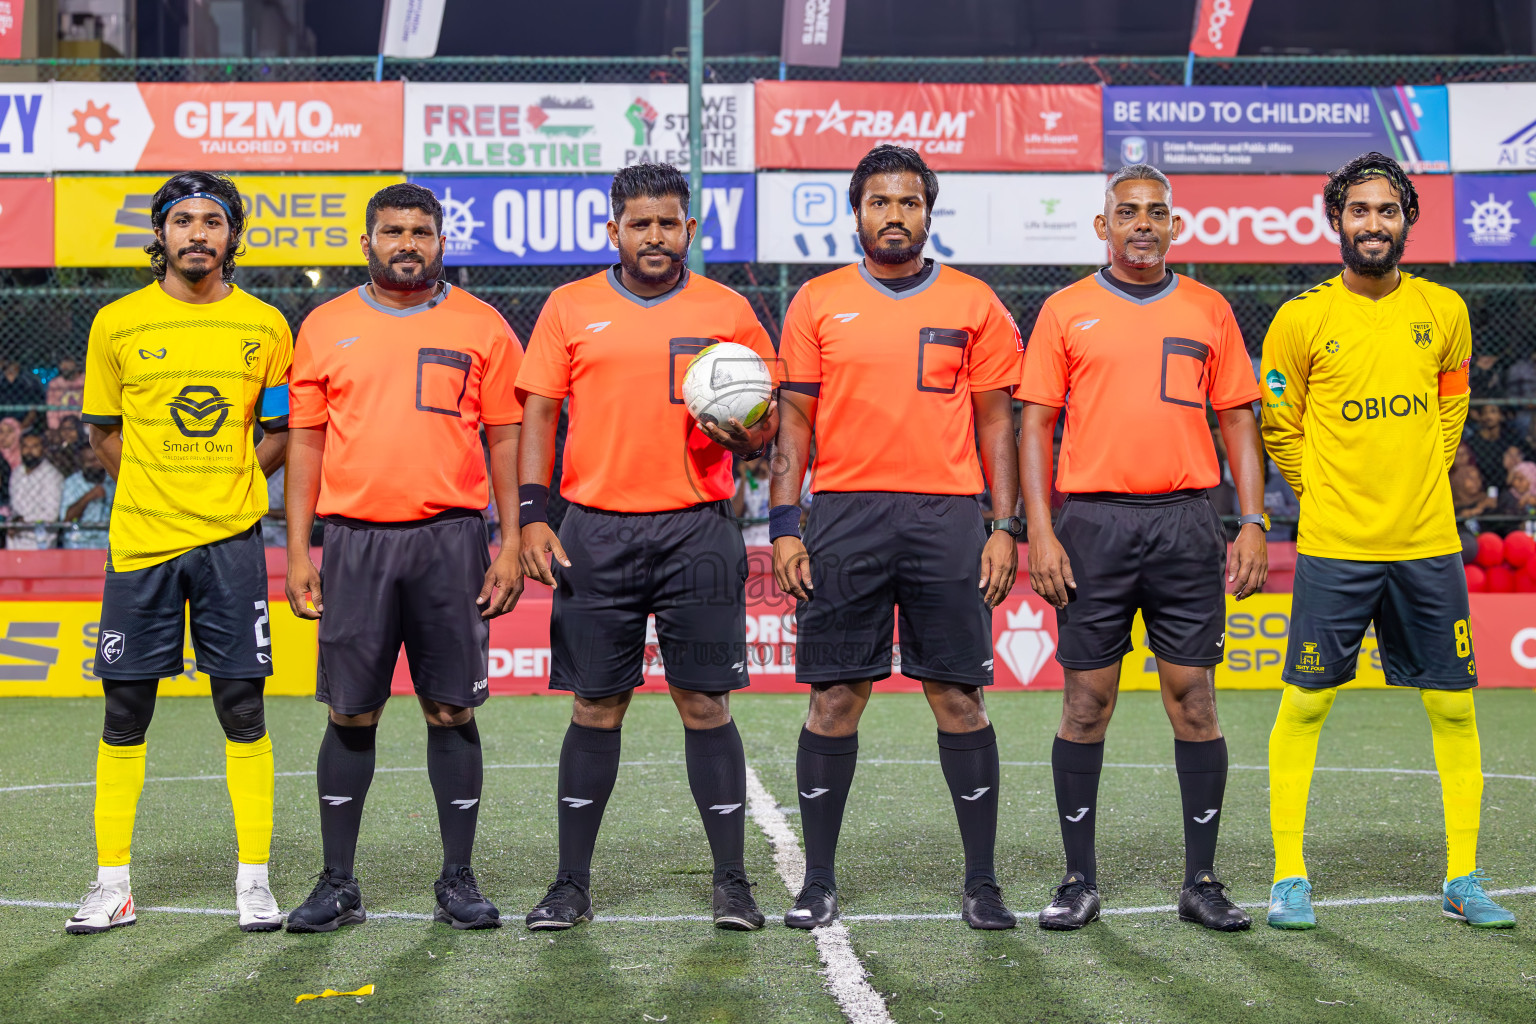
[844, 972]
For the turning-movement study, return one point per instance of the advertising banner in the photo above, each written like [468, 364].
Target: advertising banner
[26, 116]
[831, 125]
[979, 218]
[290, 220]
[812, 33]
[1219, 27]
[230, 126]
[1279, 218]
[510, 221]
[539, 128]
[26, 222]
[1255, 130]
[1493, 126]
[1495, 218]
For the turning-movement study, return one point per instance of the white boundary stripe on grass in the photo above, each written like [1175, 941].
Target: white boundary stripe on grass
[400, 915]
[844, 972]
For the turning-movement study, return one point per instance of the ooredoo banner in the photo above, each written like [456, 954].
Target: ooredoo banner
[517, 127]
[979, 218]
[831, 125]
[1493, 126]
[515, 221]
[26, 222]
[1279, 218]
[1495, 218]
[290, 220]
[1255, 130]
[232, 126]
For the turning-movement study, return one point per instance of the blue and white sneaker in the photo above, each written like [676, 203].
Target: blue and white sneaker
[1290, 904]
[1466, 901]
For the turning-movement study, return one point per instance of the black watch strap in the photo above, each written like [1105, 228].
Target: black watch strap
[1012, 525]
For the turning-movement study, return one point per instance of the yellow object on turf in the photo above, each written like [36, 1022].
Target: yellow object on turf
[1459, 758]
[1292, 757]
[119, 781]
[366, 990]
[248, 769]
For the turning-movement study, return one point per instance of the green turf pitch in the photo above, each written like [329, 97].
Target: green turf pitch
[1371, 834]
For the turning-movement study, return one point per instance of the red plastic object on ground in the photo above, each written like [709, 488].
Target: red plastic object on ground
[1501, 580]
[1490, 550]
[1518, 549]
[1477, 580]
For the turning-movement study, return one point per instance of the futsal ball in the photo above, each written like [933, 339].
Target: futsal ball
[727, 381]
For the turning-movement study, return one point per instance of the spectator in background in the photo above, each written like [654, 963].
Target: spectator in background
[10, 441]
[86, 501]
[1491, 441]
[1223, 496]
[1464, 457]
[751, 500]
[18, 388]
[65, 391]
[1518, 497]
[1483, 376]
[1468, 494]
[1281, 503]
[36, 489]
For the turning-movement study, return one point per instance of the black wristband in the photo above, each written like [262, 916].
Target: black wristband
[532, 504]
[783, 521]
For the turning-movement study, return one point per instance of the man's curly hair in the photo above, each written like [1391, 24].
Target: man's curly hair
[186, 184]
[1362, 169]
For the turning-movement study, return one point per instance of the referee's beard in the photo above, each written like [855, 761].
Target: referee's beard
[631, 264]
[385, 276]
[889, 255]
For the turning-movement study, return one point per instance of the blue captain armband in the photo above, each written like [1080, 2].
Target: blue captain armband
[274, 405]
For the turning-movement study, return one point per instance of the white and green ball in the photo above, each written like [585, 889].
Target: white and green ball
[727, 381]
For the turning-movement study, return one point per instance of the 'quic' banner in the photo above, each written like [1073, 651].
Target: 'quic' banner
[831, 125]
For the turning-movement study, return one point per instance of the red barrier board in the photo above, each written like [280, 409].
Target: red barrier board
[26, 221]
[831, 125]
[1279, 218]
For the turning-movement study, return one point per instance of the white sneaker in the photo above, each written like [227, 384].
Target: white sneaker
[103, 909]
[258, 910]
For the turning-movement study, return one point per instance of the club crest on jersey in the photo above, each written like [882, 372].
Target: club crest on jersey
[112, 643]
[250, 347]
[1421, 334]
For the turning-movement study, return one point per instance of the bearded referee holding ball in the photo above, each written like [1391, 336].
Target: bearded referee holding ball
[649, 530]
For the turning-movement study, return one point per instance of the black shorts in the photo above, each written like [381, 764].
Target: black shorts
[143, 625]
[1163, 555]
[384, 584]
[1420, 610]
[688, 568]
[874, 551]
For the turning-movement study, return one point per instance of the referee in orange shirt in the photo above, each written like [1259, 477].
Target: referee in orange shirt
[391, 385]
[902, 368]
[1134, 354]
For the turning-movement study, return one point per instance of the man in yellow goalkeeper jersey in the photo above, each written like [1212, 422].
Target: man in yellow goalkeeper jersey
[1366, 370]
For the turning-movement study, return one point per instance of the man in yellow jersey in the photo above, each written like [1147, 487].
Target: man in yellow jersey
[1369, 369]
[176, 375]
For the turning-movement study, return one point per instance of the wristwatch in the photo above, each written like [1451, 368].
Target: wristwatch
[1013, 526]
[1261, 518]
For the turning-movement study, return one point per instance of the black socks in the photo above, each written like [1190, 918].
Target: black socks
[824, 773]
[969, 760]
[717, 774]
[343, 772]
[589, 766]
[1202, 783]
[455, 766]
[1076, 768]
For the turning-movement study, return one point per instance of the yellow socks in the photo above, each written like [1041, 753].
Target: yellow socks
[1459, 758]
[119, 781]
[1292, 756]
[249, 770]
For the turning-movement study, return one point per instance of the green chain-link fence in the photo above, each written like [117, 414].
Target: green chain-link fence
[45, 314]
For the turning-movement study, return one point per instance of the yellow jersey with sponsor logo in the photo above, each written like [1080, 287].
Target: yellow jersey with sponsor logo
[1364, 403]
[185, 382]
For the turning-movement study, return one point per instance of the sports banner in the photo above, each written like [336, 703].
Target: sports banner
[512, 221]
[26, 222]
[831, 125]
[1279, 218]
[539, 128]
[26, 113]
[232, 126]
[812, 33]
[1493, 126]
[1219, 27]
[1495, 218]
[12, 16]
[1254, 130]
[290, 221]
[979, 218]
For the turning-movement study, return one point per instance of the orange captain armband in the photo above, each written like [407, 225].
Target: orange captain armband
[1454, 384]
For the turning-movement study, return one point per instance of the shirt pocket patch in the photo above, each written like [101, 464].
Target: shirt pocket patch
[940, 358]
